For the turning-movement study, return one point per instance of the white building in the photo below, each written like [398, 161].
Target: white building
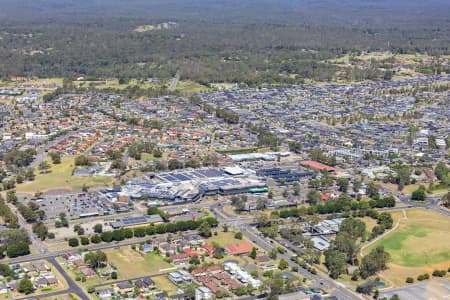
[237, 273]
[202, 293]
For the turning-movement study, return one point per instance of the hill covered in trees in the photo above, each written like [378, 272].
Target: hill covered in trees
[250, 41]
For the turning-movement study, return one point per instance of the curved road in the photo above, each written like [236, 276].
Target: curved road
[72, 289]
[334, 288]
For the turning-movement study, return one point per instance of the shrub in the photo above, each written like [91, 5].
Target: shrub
[73, 242]
[409, 280]
[439, 273]
[114, 275]
[84, 240]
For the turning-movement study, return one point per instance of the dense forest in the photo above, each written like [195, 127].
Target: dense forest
[250, 41]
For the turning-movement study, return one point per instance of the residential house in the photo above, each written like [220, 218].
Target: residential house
[124, 287]
[203, 293]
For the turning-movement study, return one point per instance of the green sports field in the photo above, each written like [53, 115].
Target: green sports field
[420, 244]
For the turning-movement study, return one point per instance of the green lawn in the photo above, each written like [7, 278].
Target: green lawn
[420, 240]
[164, 284]
[224, 238]
[130, 264]
[61, 177]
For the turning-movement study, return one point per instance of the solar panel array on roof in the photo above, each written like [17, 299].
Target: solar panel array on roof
[190, 175]
[211, 172]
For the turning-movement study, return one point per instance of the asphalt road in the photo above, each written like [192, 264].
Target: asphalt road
[318, 281]
[40, 153]
[174, 83]
[434, 289]
[54, 254]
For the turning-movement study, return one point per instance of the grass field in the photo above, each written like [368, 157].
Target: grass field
[61, 177]
[130, 264]
[164, 284]
[187, 86]
[370, 223]
[184, 86]
[224, 238]
[419, 245]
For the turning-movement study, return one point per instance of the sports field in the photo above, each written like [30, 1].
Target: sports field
[419, 245]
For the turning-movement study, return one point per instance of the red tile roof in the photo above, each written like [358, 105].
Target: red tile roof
[317, 166]
[239, 248]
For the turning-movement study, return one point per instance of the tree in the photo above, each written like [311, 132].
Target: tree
[78, 229]
[18, 249]
[56, 158]
[261, 204]
[118, 164]
[84, 240]
[296, 187]
[374, 262]
[73, 242]
[342, 184]
[313, 197]
[175, 164]
[40, 230]
[354, 227]
[194, 260]
[95, 239]
[238, 235]
[6, 271]
[98, 228]
[113, 275]
[441, 171]
[335, 262]
[11, 197]
[403, 176]
[25, 286]
[157, 153]
[420, 194]
[373, 191]
[366, 287]
[347, 245]
[283, 265]
[446, 200]
[273, 253]
[205, 229]
[95, 259]
[357, 184]
[189, 292]
[253, 253]
[44, 166]
[82, 160]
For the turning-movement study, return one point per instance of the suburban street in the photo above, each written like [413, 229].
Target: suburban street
[319, 280]
[73, 288]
